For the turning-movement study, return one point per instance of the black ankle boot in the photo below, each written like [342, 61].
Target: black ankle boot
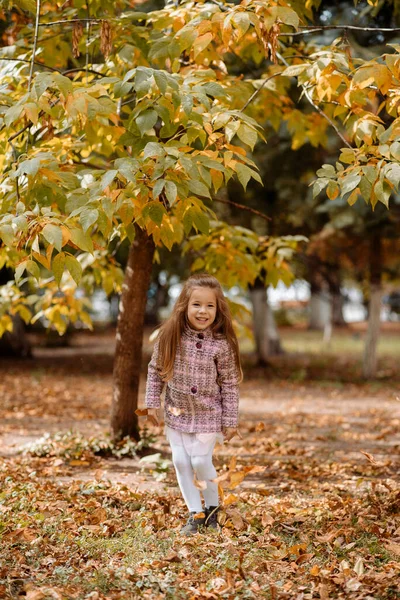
[193, 523]
[211, 520]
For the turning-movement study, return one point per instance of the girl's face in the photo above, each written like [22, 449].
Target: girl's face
[202, 308]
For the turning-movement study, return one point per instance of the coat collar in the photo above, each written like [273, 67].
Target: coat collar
[197, 335]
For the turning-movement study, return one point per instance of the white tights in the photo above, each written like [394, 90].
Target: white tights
[186, 466]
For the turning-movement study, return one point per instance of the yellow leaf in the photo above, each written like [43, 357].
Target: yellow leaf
[201, 43]
[236, 479]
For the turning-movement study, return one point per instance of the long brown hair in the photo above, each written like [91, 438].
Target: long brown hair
[169, 338]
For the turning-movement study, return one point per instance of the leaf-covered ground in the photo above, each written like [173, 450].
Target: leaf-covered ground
[311, 492]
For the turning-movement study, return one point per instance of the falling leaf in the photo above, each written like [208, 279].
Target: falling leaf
[230, 499]
[236, 479]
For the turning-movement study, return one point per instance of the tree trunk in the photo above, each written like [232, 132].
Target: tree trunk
[128, 351]
[320, 307]
[337, 309]
[15, 343]
[371, 340]
[265, 331]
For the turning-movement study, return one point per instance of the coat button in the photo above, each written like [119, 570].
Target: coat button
[200, 336]
[199, 345]
[193, 389]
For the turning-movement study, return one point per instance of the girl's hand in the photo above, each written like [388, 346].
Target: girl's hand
[152, 416]
[229, 433]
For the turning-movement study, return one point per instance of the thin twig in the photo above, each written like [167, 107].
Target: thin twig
[87, 40]
[67, 21]
[258, 91]
[316, 107]
[243, 207]
[314, 28]
[77, 69]
[35, 62]
[35, 40]
[16, 179]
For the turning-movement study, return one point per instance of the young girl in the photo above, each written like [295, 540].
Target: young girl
[197, 356]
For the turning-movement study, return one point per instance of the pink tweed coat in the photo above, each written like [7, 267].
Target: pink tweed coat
[203, 394]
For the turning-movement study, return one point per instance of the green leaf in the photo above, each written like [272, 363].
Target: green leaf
[288, 16]
[161, 80]
[13, 114]
[146, 120]
[383, 191]
[153, 149]
[158, 188]
[19, 270]
[294, 70]
[347, 156]
[327, 171]
[319, 185]
[392, 173]
[88, 217]
[81, 239]
[198, 188]
[247, 135]
[7, 234]
[349, 183]
[154, 211]
[200, 220]
[74, 267]
[171, 191]
[245, 174]
[395, 150]
[63, 83]
[108, 178]
[53, 234]
[187, 103]
[33, 268]
[58, 266]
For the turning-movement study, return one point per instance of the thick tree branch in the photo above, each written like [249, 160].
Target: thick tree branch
[316, 107]
[243, 207]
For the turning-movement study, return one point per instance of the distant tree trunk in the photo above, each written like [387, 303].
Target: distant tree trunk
[371, 340]
[15, 342]
[128, 352]
[265, 331]
[337, 299]
[320, 306]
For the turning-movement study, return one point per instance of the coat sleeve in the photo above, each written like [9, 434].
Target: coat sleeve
[228, 380]
[155, 384]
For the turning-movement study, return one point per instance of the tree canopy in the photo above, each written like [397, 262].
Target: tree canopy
[113, 118]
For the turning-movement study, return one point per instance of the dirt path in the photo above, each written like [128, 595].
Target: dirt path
[308, 431]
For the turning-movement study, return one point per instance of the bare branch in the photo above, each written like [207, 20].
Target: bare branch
[77, 69]
[316, 107]
[314, 28]
[258, 90]
[35, 40]
[243, 207]
[35, 62]
[67, 21]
